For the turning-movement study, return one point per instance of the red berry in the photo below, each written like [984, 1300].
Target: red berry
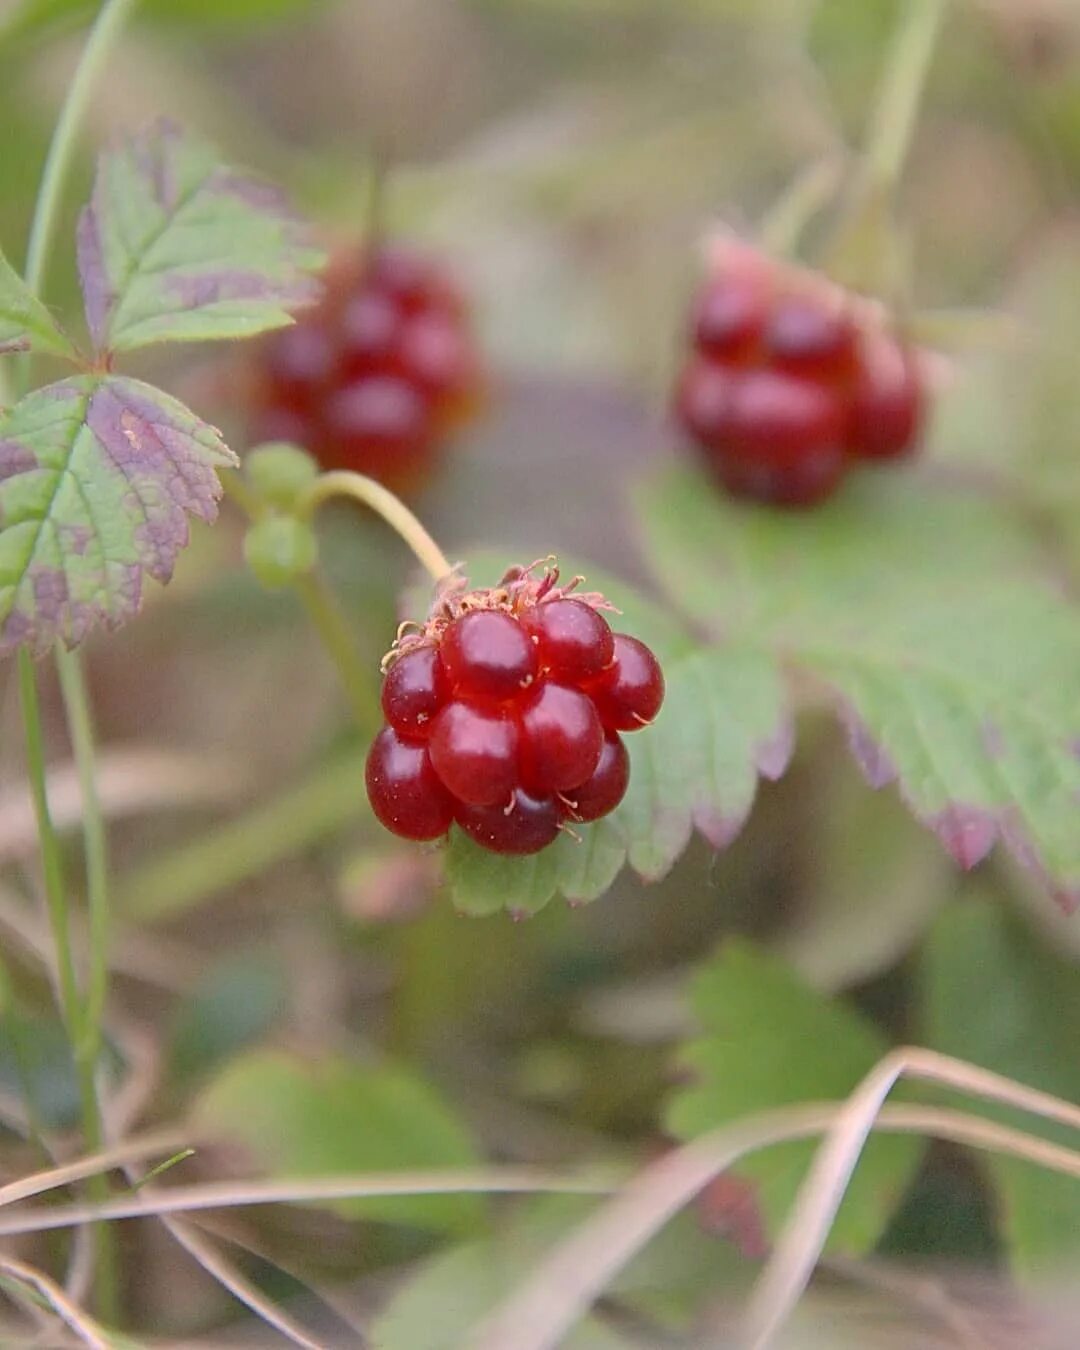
[730, 316]
[487, 654]
[811, 337]
[887, 404]
[573, 639]
[378, 425]
[414, 690]
[475, 753]
[561, 739]
[629, 693]
[435, 352]
[703, 403]
[606, 788]
[785, 440]
[404, 791]
[299, 363]
[411, 279]
[525, 824]
[370, 328]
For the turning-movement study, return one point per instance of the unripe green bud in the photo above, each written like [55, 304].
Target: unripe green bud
[280, 549]
[280, 472]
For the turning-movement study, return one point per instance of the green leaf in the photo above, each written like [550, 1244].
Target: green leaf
[995, 995]
[98, 475]
[175, 247]
[337, 1117]
[25, 323]
[724, 721]
[951, 661]
[768, 1040]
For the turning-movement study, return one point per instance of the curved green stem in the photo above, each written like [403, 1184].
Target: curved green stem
[344, 483]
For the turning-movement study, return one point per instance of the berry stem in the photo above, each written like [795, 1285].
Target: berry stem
[344, 483]
[892, 121]
[330, 624]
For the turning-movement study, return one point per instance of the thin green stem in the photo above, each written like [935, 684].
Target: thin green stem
[52, 862]
[83, 1021]
[107, 26]
[892, 122]
[330, 624]
[80, 727]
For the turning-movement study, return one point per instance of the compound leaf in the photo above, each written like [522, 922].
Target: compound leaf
[175, 247]
[98, 475]
[952, 661]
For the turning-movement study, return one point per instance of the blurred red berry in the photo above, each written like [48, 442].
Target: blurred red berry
[887, 403]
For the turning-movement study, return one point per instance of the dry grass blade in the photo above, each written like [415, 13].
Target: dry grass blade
[306, 1190]
[84, 1327]
[538, 1314]
[800, 1244]
[202, 1250]
[131, 1151]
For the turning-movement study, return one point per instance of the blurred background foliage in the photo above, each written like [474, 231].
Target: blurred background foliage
[290, 980]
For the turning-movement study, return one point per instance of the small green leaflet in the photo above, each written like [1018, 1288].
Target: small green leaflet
[953, 663]
[696, 766]
[25, 323]
[768, 1040]
[175, 247]
[98, 475]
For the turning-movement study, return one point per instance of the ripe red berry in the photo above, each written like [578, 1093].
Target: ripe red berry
[629, 693]
[524, 824]
[404, 791]
[414, 690]
[573, 639]
[703, 403]
[561, 739]
[730, 316]
[475, 753]
[378, 375]
[511, 698]
[487, 654]
[606, 788]
[812, 337]
[887, 403]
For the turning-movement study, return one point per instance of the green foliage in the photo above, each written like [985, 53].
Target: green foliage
[333, 1117]
[173, 247]
[98, 475]
[25, 323]
[994, 994]
[950, 659]
[768, 1040]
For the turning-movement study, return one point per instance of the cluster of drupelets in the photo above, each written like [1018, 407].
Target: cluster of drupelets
[792, 379]
[503, 714]
[376, 377]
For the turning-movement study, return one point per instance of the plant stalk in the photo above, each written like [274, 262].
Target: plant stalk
[330, 624]
[83, 1020]
[893, 118]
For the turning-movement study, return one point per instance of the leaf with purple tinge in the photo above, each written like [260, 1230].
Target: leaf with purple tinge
[953, 659]
[175, 247]
[98, 475]
[724, 723]
[25, 323]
